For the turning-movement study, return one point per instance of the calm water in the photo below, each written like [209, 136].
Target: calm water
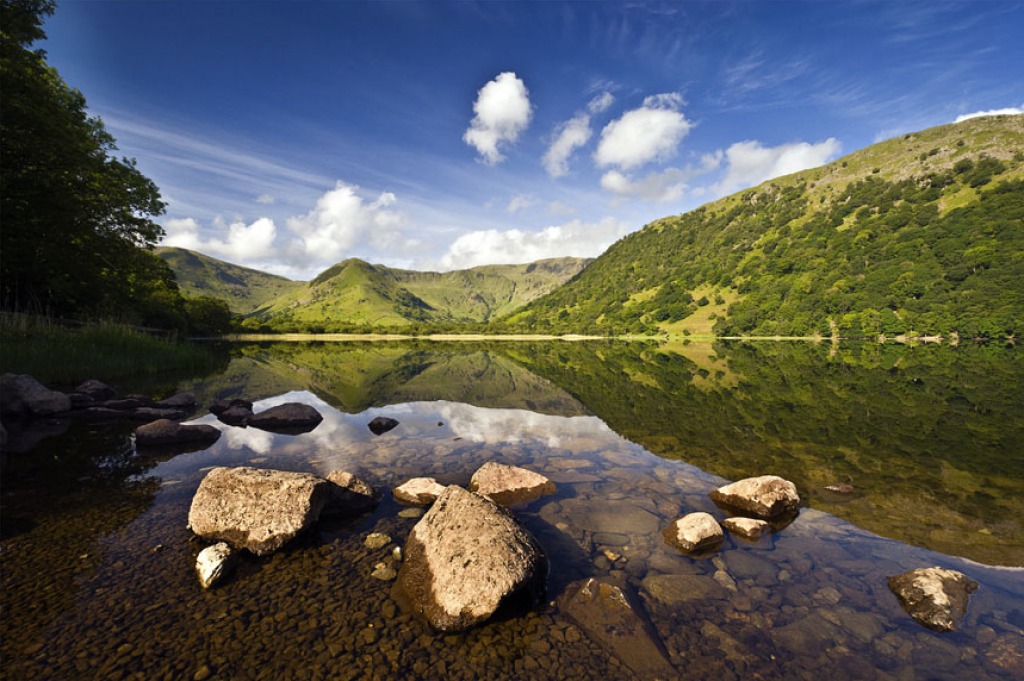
[97, 563]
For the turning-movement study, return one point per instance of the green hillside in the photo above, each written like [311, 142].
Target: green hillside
[355, 295]
[244, 289]
[923, 234]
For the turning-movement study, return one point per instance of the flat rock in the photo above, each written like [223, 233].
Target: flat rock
[154, 413]
[613, 619]
[22, 395]
[935, 597]
[682, 588]
[418, 491]
[167, 432]
[467, 557]
[381, 425]
[766, 496]
[290, 417]
[694, 532]
[349, 494]
[509, 485]
[179, 401]
[129, 403]
[213, 564]
[748, 528]
[256, 509]
[597, 515]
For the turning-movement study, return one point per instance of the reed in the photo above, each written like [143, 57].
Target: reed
[57, 352]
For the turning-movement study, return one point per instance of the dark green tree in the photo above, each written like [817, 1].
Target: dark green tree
[73, 217]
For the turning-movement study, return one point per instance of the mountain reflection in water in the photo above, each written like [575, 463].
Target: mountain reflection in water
[633, 435]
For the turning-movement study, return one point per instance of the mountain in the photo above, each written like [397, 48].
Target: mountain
[355, 295]
[921, 234]
[244, 289]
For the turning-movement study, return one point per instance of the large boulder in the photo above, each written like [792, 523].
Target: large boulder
[290, 417]
[466, 558]
[349, 494]
[418, 491]
[96, 389]
[766, 496]
[509, 485]
[163, 432]
[256, 509]
[695, 532]
[22, 395]
[221, 406]
[235, 416]
[935, 597]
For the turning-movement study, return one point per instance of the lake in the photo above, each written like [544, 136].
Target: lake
[97, 563]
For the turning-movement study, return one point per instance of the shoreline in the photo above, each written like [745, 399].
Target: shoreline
[575, 338]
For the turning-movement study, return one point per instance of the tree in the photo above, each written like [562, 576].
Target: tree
[73, 215]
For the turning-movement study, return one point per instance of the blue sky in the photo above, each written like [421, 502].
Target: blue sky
[287, 136]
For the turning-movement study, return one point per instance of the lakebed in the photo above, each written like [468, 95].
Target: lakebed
[97, 560]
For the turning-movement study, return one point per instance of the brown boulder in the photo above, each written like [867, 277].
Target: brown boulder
[509, 485]
[694, 532]
[290, 417]
[767, 496]
[167, 432]
[935, 597]
[22, 395]
[349, 494]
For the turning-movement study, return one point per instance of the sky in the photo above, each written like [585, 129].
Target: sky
[290, 135]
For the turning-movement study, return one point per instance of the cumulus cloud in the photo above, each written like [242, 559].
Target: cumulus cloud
[668, 185]
[650, 133]
[240, 241]
[1009, 111]
[573, 134]
[750, 163]
[502, 111]
[492, 246]
[341, 219]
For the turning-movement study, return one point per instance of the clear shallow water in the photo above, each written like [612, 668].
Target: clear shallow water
[97, 563]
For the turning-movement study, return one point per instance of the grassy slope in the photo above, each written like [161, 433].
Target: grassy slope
[775, 253]
[358, 293]
[243, 288]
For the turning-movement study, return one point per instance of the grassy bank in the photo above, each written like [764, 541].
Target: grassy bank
[55, 353]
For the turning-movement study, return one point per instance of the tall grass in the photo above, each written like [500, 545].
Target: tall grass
[54, 352]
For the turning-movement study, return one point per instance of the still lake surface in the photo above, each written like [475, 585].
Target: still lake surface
[97, 564]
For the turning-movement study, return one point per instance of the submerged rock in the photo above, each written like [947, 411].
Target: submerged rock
[22, 395]
[167, 432]
[419, 491]
[935, 597]
[466, 558]
[349, 494]
[767, 496]
[381, 425]
[290, 417]
[508, 485]
[694, 532]
[748, 528]
[612, 618]
[256, 509]
[213, 564]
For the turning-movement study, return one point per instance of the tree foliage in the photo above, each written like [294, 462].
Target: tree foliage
[76, 219]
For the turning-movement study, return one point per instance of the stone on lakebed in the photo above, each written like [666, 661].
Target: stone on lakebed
[694, 532]
[766, 496]
[509, 485]
[936, 597]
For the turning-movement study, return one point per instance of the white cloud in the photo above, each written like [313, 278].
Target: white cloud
[341, 219]
[265, 199]
[573, 134]
[669, 185]
[575, 238]
[651, 133]
[1009, 111]
[519, 202]
[750, 163]
[242, 242]
[502, 111]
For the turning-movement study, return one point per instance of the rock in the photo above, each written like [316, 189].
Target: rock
[256, 509]
[179, 401]
[221, 406]
[349, 494]
[765, 497]
[419, 491]
[376, 540]
[384, 572]
[381, 425]
[168, 432]
[213, 564]
[675, 589]
[235, 416]
[22, 395]
[935, 597]
[154, 413]
[467, 557]
[612, 618]
[290, 417]
[748, 528]
[694, 532]
[129, 403]
[509, 485]
[619, 517]
[97, 390]
[840, 488]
